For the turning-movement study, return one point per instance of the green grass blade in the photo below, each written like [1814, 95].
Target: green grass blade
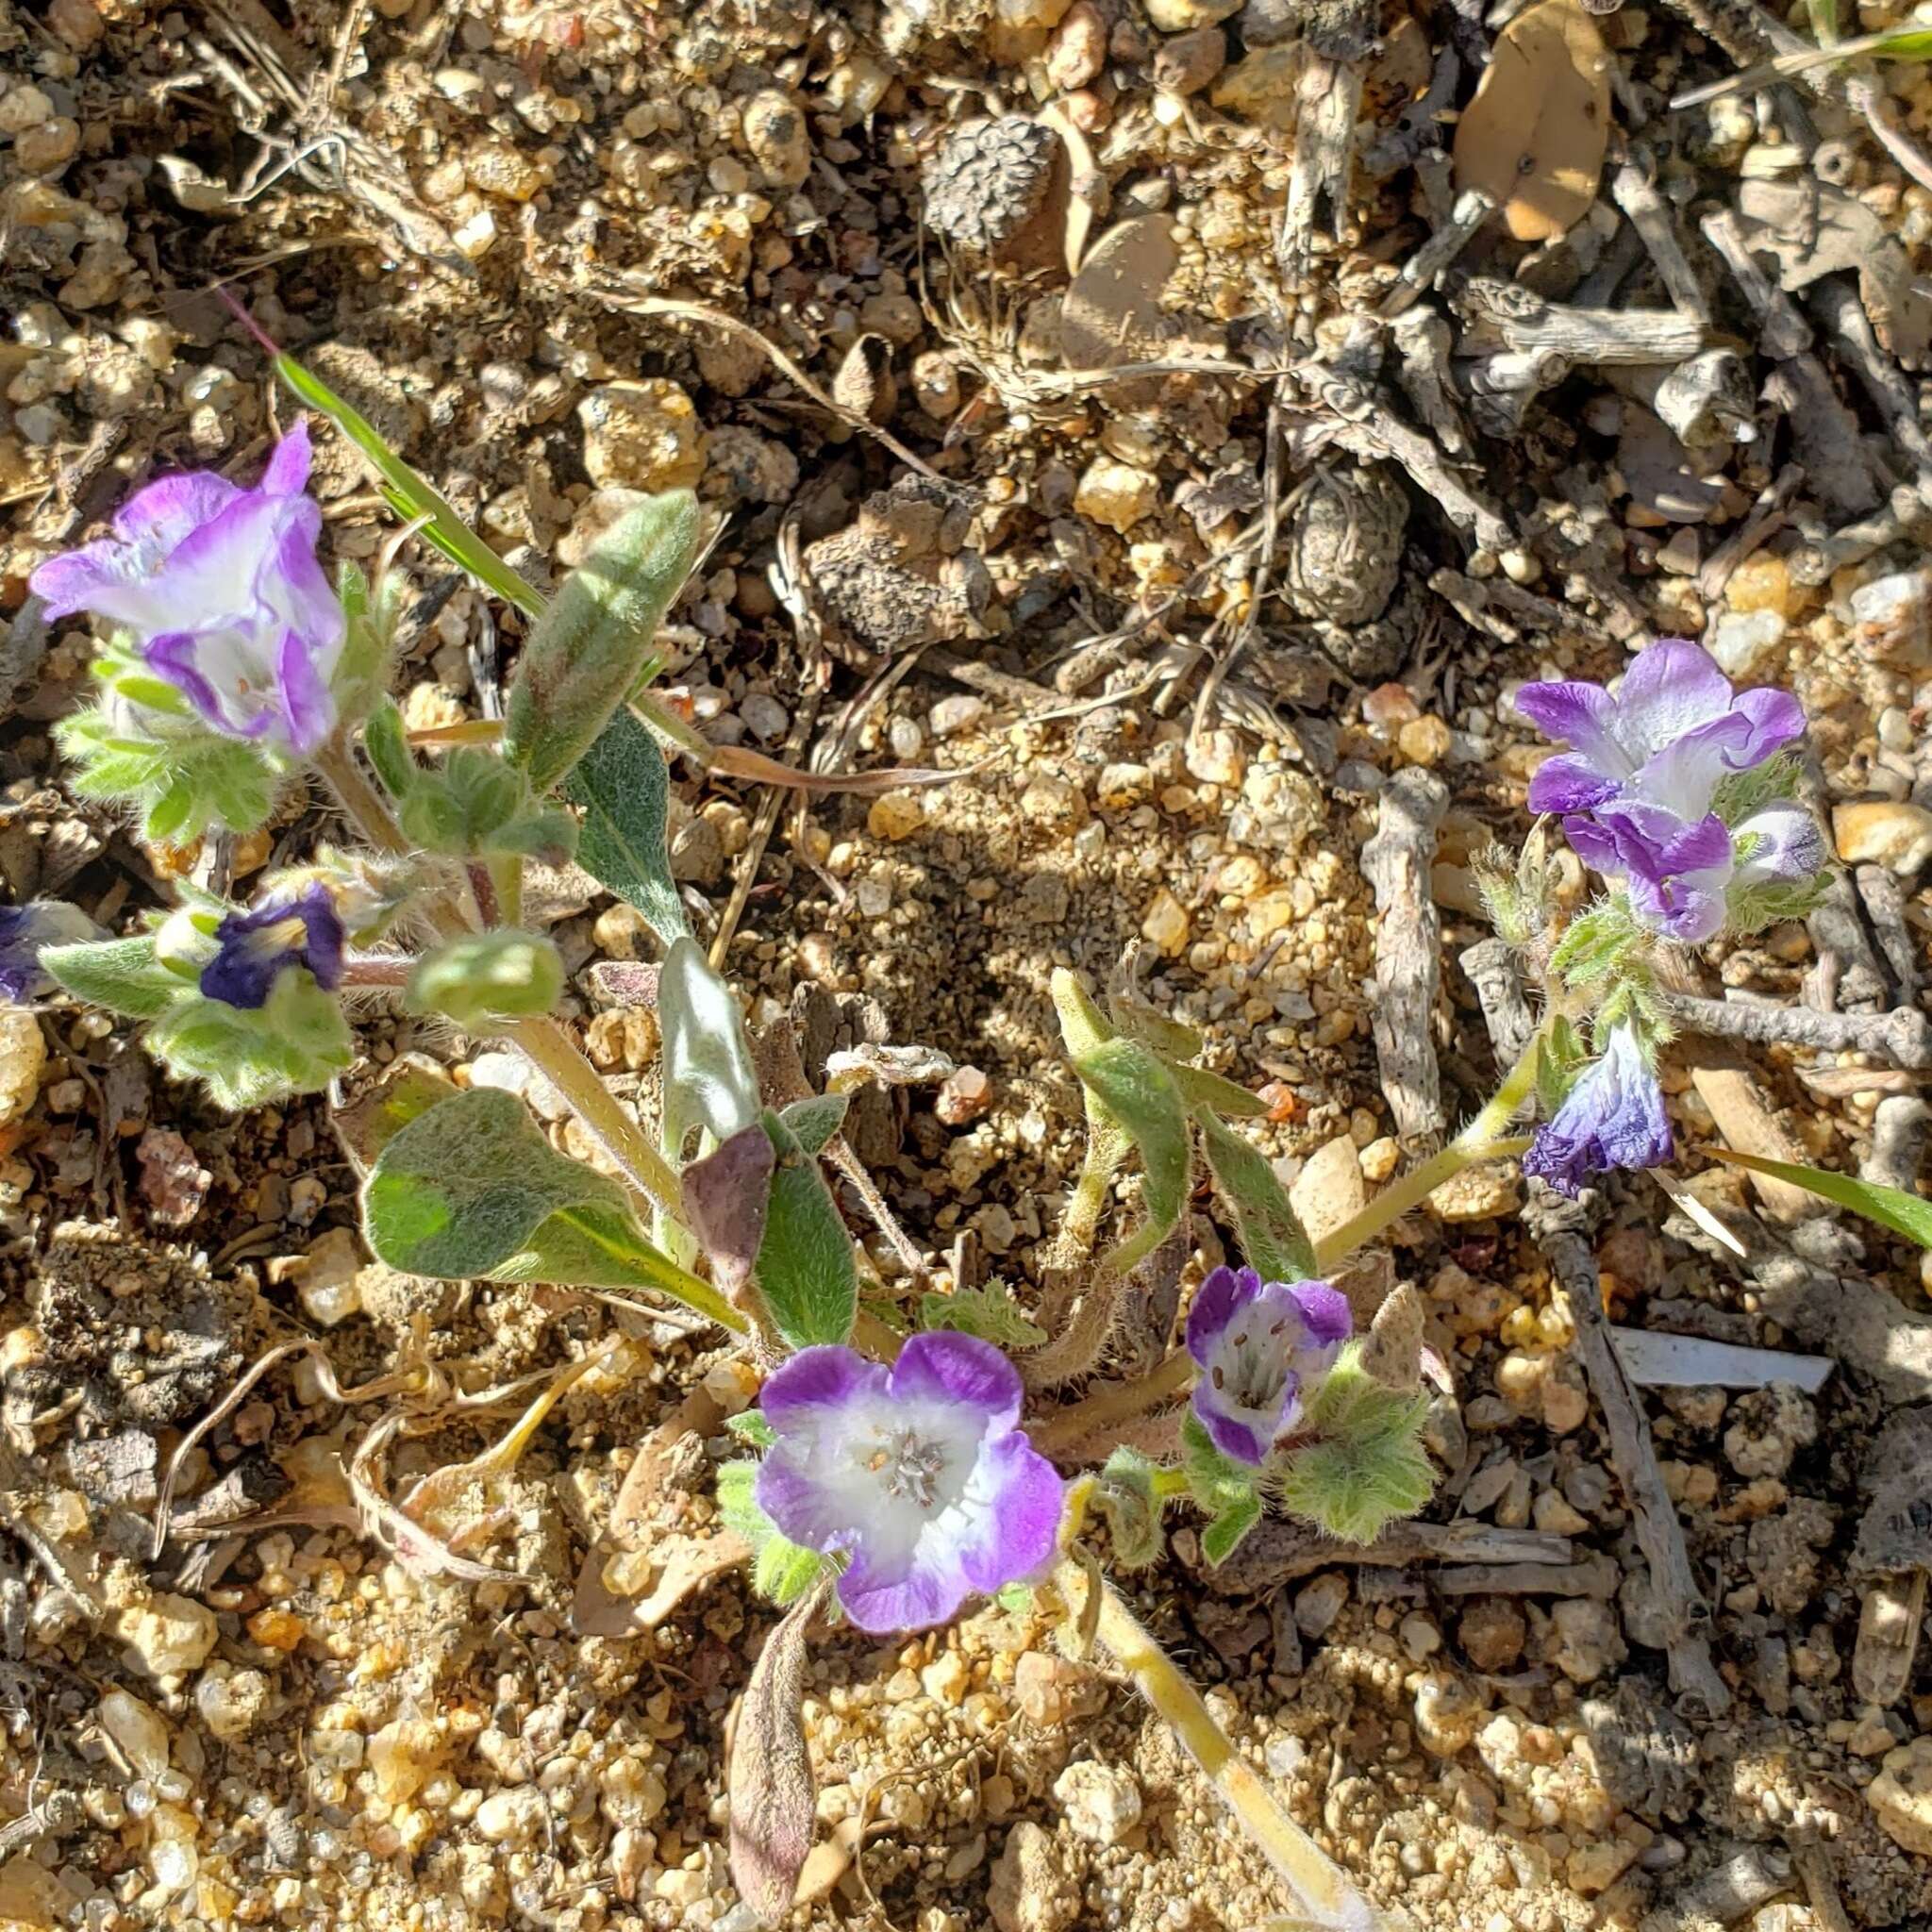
[409, 496]
[1909, 1215]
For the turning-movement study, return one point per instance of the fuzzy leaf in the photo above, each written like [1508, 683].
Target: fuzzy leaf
[1270, 1234]
[708, 1081]
[296, 1042]
[117, 976]
[471, 1190]
[388, 745]
[1594, 944]
[804, 1267]
[750, 1426]
[1139, 1092]
[1082, 1025]
[625, 789]
[773, 1797]
[1221, 1538]
[815, 1119]
[990, 1312]
[1173, 1040]
[1125, 1494]
[1214, 1481]
[725, 1198]
[1909, 1215]
[1199, 1089]
[408, 494]
[781, 1571]
[1366, 1467]
[481, 979]
[583, 656]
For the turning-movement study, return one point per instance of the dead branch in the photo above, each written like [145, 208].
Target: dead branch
[1902, 1037]
[1397, 863]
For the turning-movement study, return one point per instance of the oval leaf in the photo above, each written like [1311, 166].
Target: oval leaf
[471, 1190]
[1140, 1093]
[1272, 1236]
[1909, 1215]
[1535, 134]
[119, 976]
[773, 1798]
[584, 654]
[625, 789]
[708, 1081]
[725, 1197]
[804, 1267]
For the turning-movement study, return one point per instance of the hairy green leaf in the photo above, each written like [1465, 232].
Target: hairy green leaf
[1222, 1537]
[387, 742]
[483, 978]
[1139, 1092]
[1127, 1496]
[1199, 1088]
[782, 1570]
[709, 1079]
[1270, 1234]
[625, 789]
[117, 976]
[990, 1312]
[804, 1267]
[583, 656]
[471, 1190]
[1366, 1467]
[816, 1119]
[296, 1042]
[1909, 1215]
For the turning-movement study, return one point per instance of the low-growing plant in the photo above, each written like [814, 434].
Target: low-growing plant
[889, 1477]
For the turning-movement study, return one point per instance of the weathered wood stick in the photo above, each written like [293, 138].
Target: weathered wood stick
[1397, 862]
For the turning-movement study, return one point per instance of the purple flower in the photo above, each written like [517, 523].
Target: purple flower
[919, 1473]
[220, 589]
[1612, 1117]
[252, 948]
[25, 930]
[1260, 1347]
[1674, 729]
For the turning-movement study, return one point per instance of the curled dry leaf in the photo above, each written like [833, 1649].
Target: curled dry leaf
[1535, 134]
[774, 1801]
[725, 1195]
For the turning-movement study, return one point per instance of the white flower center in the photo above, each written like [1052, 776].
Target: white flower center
[1250, 1369]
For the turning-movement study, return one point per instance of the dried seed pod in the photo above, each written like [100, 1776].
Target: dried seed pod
[994, 188]
[865, 384]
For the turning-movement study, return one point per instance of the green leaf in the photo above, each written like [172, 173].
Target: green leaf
[117, 976]
[750, 1426]
[623, 786]
[990, 1312]
[815, 1119]
[582, 656]
[1126, 1495]
[1139, 1092]
[1082, 1025]
[1215, 1482]
[1594, 944]
[804, 1267]
[408, 494]
[1366, 1467]
[1909, 1215]
[387, 742]
[709, 1080]
[1173, 1040]
[782, 1570]
[481, 979]
[1222, 1537]
[1270, 1234]
[1199, 1088]
[471, 1190]
[296, 1042]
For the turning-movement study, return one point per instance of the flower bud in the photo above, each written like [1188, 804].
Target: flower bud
[487, 977]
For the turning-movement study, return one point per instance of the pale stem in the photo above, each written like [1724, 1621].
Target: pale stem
[1321, 1890]
[543, 1043]
[1483, 1139]
[1118, 1402]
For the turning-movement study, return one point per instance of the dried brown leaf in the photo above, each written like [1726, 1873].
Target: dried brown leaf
[1112, 311]
[725, 1196]
[1535, 134]
[774, 1800]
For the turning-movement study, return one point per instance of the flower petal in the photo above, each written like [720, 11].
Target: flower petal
[1577, 714]
[169, 510]
[881, 1601]
[1775, 718]
[1671, 688]
[1023, 1495]
[1788, 845]
[961, 1372]
[80, 578]
[1325, 1310]
[307, 714]
[1569, 781]
[291, 583]
[1236, 1440]
[827, 1376]
[288, 463]
[176, 656]
[1614, 1116]
[1219, 1299]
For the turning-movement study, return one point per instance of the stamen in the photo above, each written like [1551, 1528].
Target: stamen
[910, 1467]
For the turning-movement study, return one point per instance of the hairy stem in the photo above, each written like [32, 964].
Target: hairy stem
[1075, 1349]
[1320, 1891]
[1483, 1139]
[1117, 1403]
